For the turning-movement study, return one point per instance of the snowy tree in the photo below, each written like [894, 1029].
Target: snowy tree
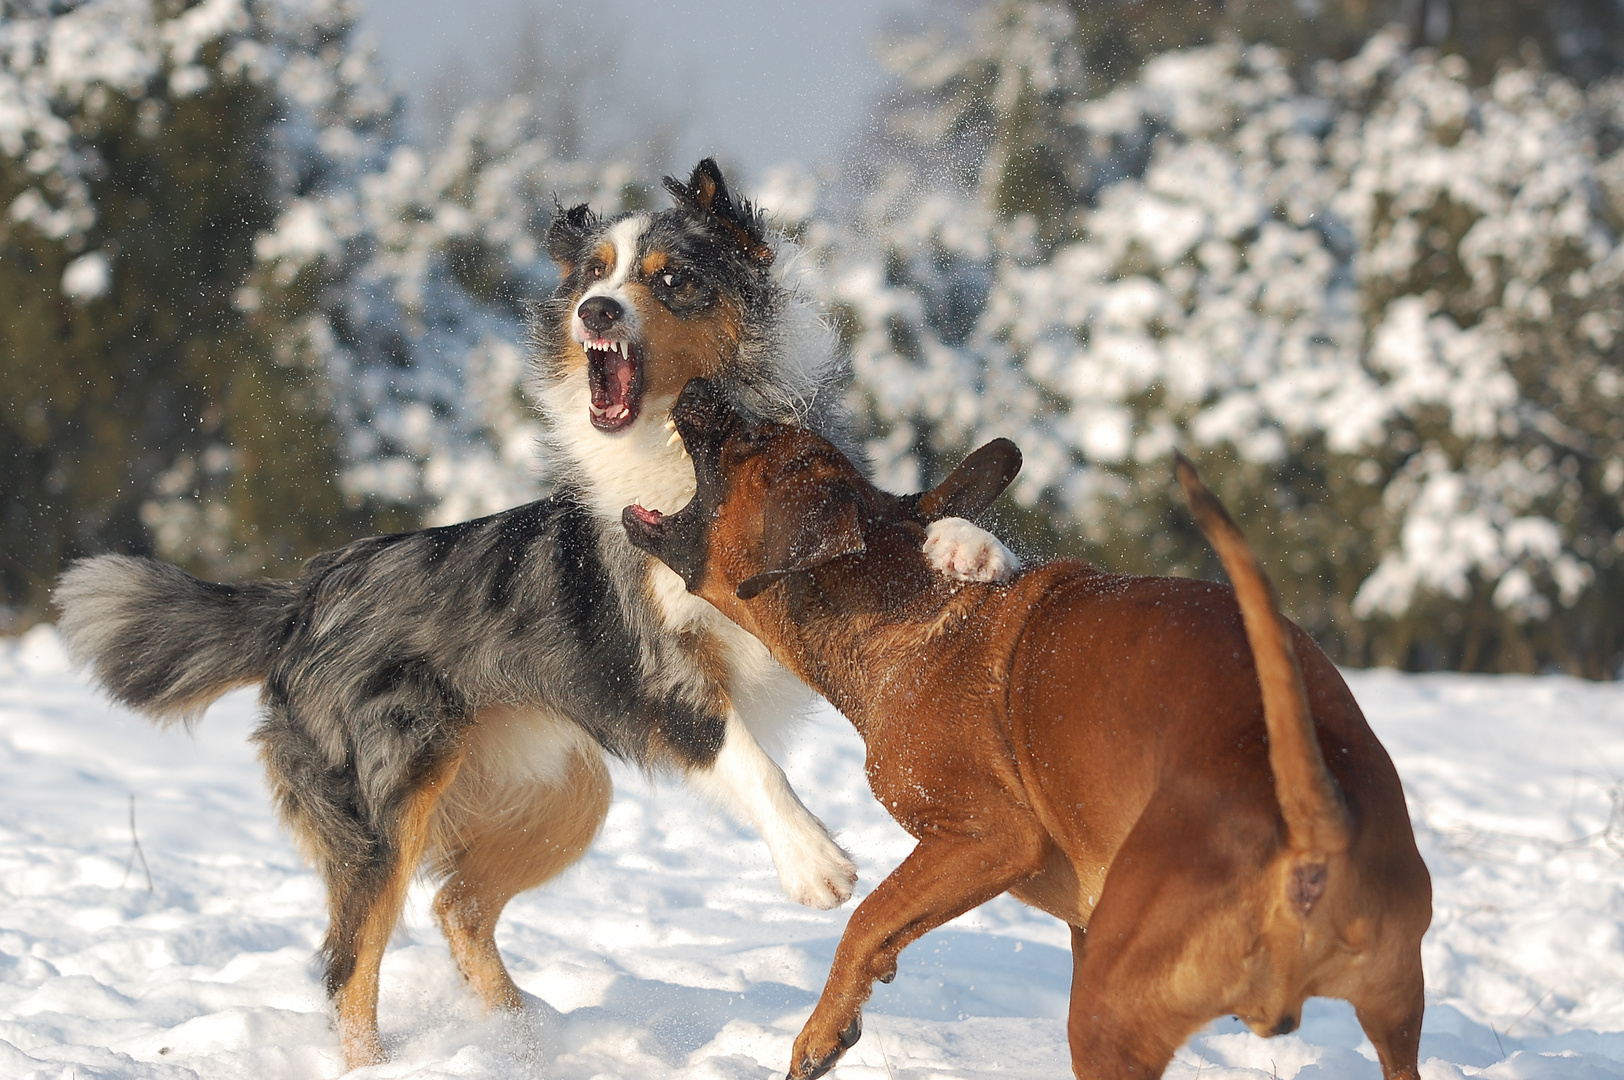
[137, 166]
[415, 270]
[248, 320]
[1377, 301]
[414, 281]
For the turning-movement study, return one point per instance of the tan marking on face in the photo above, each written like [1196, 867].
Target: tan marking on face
[574, 358]
[654, 262]
[676, 350]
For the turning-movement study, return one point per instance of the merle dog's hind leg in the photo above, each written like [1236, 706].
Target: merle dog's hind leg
[365, 917]
[517, 816]
[366, 846]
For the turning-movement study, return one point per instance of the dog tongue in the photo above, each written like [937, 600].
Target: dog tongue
[611, 377]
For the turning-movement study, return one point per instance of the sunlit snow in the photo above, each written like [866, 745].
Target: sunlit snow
[670, 952]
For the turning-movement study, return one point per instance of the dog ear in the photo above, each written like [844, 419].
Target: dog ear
[706, 195]
[566, 236]
[971, 488]
[804, 530]
[710, 190]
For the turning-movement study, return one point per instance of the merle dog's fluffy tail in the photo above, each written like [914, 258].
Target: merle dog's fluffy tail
[163, 642]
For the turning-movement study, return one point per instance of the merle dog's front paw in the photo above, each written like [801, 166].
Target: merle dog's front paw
[814, 870]
[964, 550]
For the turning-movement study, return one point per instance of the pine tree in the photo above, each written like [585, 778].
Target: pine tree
[1375, 297]
[243, 319]
[136, 184]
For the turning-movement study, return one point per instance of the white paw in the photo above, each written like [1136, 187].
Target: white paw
[964, 550]
[814, 870]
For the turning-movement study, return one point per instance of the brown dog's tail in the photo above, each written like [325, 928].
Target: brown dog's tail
[1310, 801]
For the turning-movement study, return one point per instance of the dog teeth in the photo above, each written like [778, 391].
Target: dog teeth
[675, 440]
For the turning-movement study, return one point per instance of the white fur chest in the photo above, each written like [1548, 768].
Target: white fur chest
[641, 465]
[638, 465]
[764, 694]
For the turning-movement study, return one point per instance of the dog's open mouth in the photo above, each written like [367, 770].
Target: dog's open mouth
[651, 518]
[650, 530]
[614, 369]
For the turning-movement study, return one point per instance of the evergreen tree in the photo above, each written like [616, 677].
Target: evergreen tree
[1374, 298]
[137, 170]
[244, 320]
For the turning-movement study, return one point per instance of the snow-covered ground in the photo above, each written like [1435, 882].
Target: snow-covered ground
[670, 952]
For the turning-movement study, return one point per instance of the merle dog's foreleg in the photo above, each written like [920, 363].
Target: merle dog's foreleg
[812, 868]
[964, 550]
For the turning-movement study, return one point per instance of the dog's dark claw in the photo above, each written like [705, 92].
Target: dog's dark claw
[823, 1066]
[845, 1041]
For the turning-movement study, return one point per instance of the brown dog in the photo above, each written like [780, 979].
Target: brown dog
[1141, 757]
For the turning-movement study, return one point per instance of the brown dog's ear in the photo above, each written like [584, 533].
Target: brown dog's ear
[972, 487]
[804, 531]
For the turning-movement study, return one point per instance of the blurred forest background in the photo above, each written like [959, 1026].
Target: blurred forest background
[1360, 258]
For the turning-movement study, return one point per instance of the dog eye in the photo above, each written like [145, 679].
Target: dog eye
[673, 279]
[595, 271]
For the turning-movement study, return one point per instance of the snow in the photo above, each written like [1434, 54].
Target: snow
[88, 276]
[669, 950]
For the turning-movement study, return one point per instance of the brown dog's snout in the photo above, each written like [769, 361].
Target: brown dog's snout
[700, 407]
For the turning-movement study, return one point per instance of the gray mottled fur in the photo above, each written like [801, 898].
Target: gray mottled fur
[376, 660]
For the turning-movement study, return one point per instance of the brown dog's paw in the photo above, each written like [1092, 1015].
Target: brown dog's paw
[807, 1069]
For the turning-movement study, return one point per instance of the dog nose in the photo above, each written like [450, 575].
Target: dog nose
[599, 313]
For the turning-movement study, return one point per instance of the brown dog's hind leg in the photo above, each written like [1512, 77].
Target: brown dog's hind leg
[491, 853]
[1392, 1020]
[1167, 945]
[1106, 1044]
[941, 879]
